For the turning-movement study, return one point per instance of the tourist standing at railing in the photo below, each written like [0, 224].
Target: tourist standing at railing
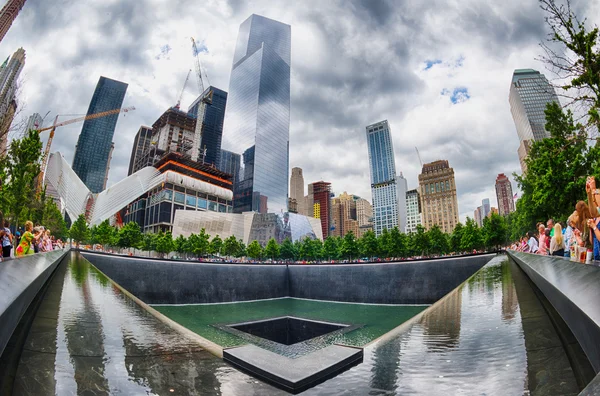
[27, 241]
[557, 243]
[583, 215]
[7, 240]
[542, 240]
[532, 243]
[595, 234]
[569, 238]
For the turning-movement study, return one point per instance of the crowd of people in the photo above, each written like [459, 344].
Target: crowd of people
[578, 237]
[29, 240]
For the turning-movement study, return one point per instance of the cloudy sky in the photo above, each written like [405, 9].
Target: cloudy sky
[439, 71]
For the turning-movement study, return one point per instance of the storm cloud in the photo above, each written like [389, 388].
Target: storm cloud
[438, 71]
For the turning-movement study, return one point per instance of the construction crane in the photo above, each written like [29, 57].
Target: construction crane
[68, 122]
[208, 97]
[197, 152]
[419, 155]
[183, 89]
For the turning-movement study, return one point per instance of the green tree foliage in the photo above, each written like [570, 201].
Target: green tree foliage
[287, 250]
[254, 250]
[420, 241]
[368, 244]
[311, 249]
[164, 243]
[54, 220]
[199, 243]
[272, 249]
[241, 252]
[350, 248]
[398, 244]
[148, 242]
[22, 165]
[471, 236]
[104, 234]
[495, 231]
[79, 231]
[129, 236]
[456, 238]
[556, 171]
[179, 244]
[216, 244]
[230, 246]
[331, 248]
[384, 244]
[438, 240]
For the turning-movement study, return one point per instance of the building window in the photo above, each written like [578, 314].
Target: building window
[202, 203]
[212, 206]
[179, 197]
[190, 200]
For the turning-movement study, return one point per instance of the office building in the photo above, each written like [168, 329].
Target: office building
[231, 163]
[93, 148]
[485, 205]
[384, 186]
[34, 122]
[210, 106]
[344, 215]
[413, 211]
[257, 118]
[297, 190]
[530, 92]
[9, 75]
[402, 186]
[364, 216]
[141, 144]
[478, 216]
[321, 207]
[504, 194]
[292, 205]
[437, 190]
[8, 14]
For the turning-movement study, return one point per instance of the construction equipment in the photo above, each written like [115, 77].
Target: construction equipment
[419, 155]
[178, 105]
[197, 152]
[68, 122]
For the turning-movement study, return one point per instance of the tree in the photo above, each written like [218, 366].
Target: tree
[272, 249]
[104, 234]
[420, 241]
[369, 246]
[179, 244]
[556, 171]
[164, 243]
[331, 248]
[398, 243]
[216, 245]
[254, 250]
[22, 167]
[494, 231]
[79, 231]
[148, 242]
[129, 236]
[199, 243]
[287, 250]
[54, 220]
[350, 249]
[230, 246]
[241, 252]
[384, 244]
[438, 241]
[311, 249]
[456, 238]
[471, 238]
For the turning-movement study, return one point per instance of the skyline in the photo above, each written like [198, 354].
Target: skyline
[335, 87]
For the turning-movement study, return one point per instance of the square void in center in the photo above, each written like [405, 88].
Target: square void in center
[287, 330]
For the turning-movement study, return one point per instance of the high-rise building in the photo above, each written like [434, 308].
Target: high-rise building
[438, 196]
[402, 185]
[231, 163]
[504, 194]
[413, 211]
[257, 119]
[478, 216]
[384, 186]
[8, 14]
[95, 140]
[530, 92]
[209, 130]
[34, 122]
[485, 205]
[321, 192]
[297, 190]
[9, 74]
[364, 216]
[344, 216]
[141, 144]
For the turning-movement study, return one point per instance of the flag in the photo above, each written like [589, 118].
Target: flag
[515, 196]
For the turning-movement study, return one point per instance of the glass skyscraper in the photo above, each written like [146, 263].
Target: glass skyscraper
[95, 140]
[384, 186]
[257, 119]
[212, 128]
[530, 92]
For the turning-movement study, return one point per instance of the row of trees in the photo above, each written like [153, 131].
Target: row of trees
[392, 243]
[19, 170]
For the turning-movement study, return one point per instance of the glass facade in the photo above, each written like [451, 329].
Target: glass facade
[141, 144]
[230, 163]
[383, 178]
[212, 127]
[257, 119]
[95, 140]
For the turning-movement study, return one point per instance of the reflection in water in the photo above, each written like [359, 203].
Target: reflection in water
[483, 338]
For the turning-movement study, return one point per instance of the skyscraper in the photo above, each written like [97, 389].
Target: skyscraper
[297, 190]
[34, 121]
[211, 132]
[504, 194]
[141, 144]
[530, 92]
[8, 14]
[344, 215]
[364, 216]
[438, 196]
[485, 206]
[9, 74]
[257, 119]
[384, 186]
[321, 192]
[93, 148]
[413, 211]
[231, 163]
